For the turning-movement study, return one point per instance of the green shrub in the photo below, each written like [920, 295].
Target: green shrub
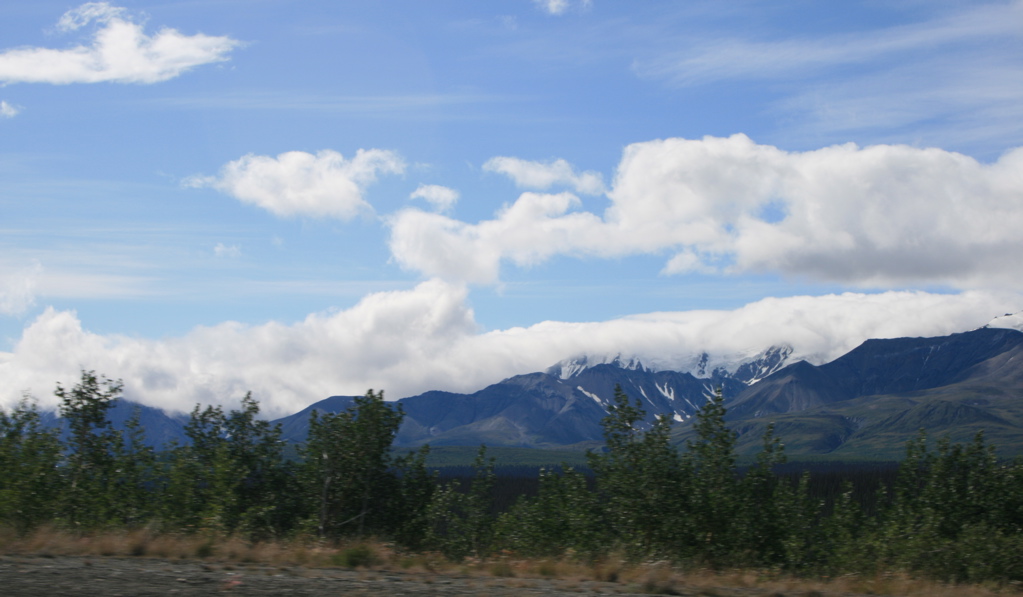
[358, 556]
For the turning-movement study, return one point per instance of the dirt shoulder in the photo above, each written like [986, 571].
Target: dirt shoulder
[35, 576]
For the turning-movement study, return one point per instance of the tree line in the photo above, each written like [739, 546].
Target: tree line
[954, 513]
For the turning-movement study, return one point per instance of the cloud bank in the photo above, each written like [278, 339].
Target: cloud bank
[297, 183]
[425, 338]
[120, 52]
[870, 216]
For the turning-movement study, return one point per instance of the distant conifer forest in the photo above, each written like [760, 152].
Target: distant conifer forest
[952, 512]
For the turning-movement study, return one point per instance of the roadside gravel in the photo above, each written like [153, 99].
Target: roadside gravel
[36, 576]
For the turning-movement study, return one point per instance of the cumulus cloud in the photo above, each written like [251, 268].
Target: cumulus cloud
[120, 51]
[870, 216]
[18, 289]
[425, 338]
[7, 110]
[442, 198]
[558, 7]
[297, 183]
[542, 176]
[531, 230]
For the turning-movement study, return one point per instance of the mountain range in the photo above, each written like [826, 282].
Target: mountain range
[864, 405]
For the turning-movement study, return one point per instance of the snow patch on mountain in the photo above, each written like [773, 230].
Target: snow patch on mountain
[1009, 321]
[569, 368]
[749, 366]
[591, 395]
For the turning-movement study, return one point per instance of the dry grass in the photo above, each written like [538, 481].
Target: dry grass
[376, 556]
[306, 552]
[660, 578]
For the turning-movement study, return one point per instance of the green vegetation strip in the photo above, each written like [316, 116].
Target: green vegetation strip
[952, 514]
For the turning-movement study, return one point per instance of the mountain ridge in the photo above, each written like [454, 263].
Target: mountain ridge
[866, 402]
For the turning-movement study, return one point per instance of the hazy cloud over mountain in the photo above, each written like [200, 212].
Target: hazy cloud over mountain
[427, 338]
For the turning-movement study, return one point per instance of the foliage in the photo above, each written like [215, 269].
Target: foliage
[137, 473]
[29, 478]
[715, 484]
[357, 486]
[461, 523]
[642, 480]
[231, 477]
[410, 512]
[564, 517]
[955, 513]
[92, 494]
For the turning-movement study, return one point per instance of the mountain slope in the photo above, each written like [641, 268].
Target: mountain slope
[876, 367]
[865, 404]
[868, 403]
[560, 407]
[161, 429]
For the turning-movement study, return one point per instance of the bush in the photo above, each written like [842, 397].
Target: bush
[357, 556]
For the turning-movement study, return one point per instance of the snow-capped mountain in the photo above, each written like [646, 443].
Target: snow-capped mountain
[569, 368]
[565, 404]
[747, 368]
[868, 401]
[1009, 321]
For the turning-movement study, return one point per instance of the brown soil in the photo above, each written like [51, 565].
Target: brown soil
[38, 576]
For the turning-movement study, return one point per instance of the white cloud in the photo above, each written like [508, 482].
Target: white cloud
[407, 342]
[120, 51]
[18, 289]
[529, 231]
[297, 183]
[559, 7]
[686, 261]
[101, 12]
[873, 216]
[7, 110]
[386, 341]
[542, 176]
[442, 198]
[229, 251]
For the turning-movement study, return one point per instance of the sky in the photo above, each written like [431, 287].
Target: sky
[309, 198]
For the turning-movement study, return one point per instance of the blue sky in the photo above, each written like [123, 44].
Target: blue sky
[312, 198]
